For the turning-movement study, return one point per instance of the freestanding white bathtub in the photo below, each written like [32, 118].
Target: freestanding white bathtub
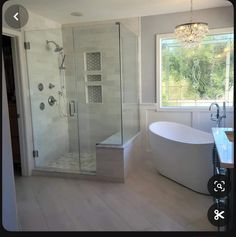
[182, 153]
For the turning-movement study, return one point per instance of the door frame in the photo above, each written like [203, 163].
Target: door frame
[22, 100]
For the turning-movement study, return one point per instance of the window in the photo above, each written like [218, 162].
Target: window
[195, 77]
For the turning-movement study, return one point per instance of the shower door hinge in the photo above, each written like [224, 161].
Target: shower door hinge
[27, 45]
[35, 153]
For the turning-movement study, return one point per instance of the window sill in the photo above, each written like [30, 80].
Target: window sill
[189, 109]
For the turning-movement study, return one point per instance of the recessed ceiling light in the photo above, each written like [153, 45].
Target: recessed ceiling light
[76, 14]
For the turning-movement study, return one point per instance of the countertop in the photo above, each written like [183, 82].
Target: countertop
[224, 147]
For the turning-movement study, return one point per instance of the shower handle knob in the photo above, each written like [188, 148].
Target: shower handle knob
[51, 100]
[51, 86]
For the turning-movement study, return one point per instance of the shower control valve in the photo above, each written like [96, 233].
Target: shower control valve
[51, 86]
[51, 100]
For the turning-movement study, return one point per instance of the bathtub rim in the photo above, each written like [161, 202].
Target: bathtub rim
[211, 141]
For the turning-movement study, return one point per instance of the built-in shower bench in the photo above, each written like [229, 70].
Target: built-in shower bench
[115, 161]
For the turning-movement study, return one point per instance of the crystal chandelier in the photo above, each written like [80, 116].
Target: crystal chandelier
[192, 33]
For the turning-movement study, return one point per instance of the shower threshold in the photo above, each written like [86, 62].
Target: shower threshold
[64, 174]
[71, 163]
[62, 171]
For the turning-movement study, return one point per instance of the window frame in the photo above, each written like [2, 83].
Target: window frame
[158, 73]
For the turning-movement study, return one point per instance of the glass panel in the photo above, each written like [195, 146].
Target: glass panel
[50, 96]
[197, 76]
[97, 46]
[129, 62]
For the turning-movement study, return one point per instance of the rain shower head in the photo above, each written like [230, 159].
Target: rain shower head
[58, 48]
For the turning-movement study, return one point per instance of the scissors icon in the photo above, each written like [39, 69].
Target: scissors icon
[218, 215]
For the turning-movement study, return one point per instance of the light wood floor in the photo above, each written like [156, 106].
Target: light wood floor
[147, 201]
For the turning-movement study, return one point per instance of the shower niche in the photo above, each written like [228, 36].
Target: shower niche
[101, 71]
[93, 77]
[94, 94]
[93, 61]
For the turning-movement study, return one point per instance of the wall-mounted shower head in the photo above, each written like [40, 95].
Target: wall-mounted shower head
[58, 48]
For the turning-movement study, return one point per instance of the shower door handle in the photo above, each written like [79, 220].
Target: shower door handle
[72, 108]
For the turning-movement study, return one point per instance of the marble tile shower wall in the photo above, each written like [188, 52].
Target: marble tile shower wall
[97, 121]
[50, 130]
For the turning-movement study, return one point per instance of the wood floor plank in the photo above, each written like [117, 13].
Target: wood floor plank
[97, 210]
[172, 198]
[122, 206]
[146, 201]
[29, 213]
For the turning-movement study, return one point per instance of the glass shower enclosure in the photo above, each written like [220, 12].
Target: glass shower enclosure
[84, 90]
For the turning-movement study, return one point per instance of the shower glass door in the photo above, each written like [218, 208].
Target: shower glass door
[75, 92]
[53, 107]
[97, 73]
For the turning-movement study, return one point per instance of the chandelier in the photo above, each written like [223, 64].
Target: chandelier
[192, 33]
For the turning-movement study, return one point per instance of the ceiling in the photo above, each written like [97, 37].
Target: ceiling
[95, 10]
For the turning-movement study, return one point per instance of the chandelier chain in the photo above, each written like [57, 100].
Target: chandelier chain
[191, 11]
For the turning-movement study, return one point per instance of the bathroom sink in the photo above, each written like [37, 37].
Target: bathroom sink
[230, 135]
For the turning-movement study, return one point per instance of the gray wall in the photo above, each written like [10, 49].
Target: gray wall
[152, 25]
[9, 210]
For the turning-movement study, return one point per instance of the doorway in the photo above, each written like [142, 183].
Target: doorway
[12, 101]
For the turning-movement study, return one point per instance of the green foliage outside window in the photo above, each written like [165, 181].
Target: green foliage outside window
[197, 74]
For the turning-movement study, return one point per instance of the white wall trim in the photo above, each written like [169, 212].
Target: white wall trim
[196, 119]
[23, 101]
[139, 61]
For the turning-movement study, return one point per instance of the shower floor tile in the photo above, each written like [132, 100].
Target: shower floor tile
[71, 162]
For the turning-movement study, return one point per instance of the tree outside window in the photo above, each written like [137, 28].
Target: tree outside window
[197, 76]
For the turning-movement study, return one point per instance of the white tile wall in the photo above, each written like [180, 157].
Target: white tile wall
[50, 131]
